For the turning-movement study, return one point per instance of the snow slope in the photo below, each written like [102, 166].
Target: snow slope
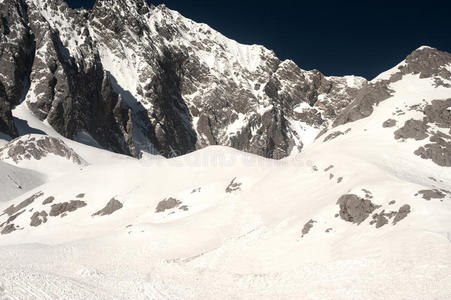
[196, 225]
[15, 181]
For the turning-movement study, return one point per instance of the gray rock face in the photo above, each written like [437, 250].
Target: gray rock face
[48, 200]
[15, 208]
[432, 194]
[16, 56]
[13, 217]
[382, 218]
[428, 62]
[38, 218]
[172, 119]
[389, 123]
[112, 206]
[412, 129]
[437, 114]
[8, 229]
[71, 90]
[27, 147]
[401, 214]
[363, 104]
[62, 208]
[439, 152]
[355, 209]
[307, 227]
[168, 203]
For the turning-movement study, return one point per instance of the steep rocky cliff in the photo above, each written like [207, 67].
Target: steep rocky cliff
[134, 77]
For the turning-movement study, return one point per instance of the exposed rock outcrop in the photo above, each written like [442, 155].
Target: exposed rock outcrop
[112, 206]
[355, 209]
[425, 61]
[402, 213]
[65, 207]
[16, 56]
[436, 120]
[189, 86]
[15, 208]
[307, 227]
[166, 204]
[38, 218]
[38, 147]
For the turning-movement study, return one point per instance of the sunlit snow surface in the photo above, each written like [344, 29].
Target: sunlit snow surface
[235, 229]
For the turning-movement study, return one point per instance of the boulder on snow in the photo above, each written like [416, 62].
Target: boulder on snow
[381, 219]
[38, 218]
[402, 213]
[63, 208]
[389, 123]
[166, 204]
[432, 194]
[355, 209]
[307, 227]
[110, 208]
[48, 200]
[8, 229]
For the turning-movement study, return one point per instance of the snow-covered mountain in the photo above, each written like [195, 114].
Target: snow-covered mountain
[311, 187]
[133, 77]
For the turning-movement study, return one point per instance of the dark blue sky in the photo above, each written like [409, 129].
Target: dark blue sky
[335, 37]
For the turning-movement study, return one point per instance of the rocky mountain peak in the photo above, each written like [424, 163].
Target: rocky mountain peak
[428, 62]
[138, 77]
[425, 62]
